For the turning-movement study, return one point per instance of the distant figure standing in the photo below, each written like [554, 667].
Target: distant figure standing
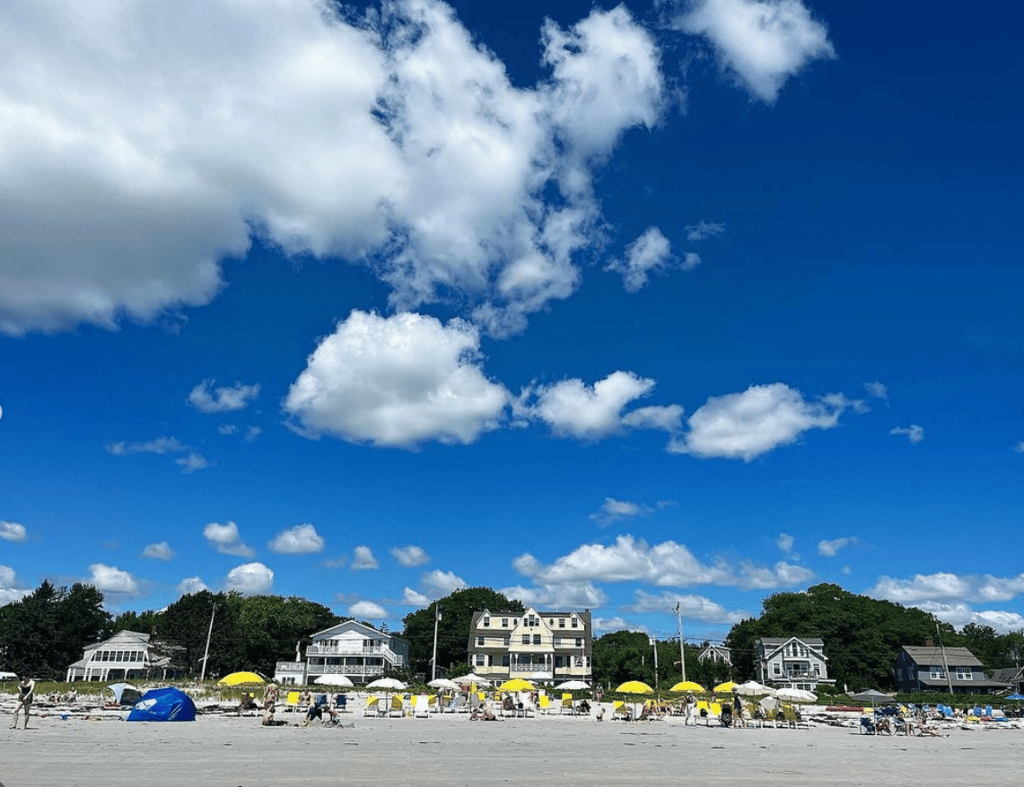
[737, 708]
[26, 693]
[269, 700]
[691, 707]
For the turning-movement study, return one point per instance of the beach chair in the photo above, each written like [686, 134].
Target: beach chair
[567, 704]
[341, 703]
[372, 707]
[867, 725]
[620, 711]
[397, 707]
[544, 704]
[292, 701]
[460, 704]
[421, 707]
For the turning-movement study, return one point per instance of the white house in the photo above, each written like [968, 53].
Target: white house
[127, 654]
[353, 649]
[715, 653]
[792, 662]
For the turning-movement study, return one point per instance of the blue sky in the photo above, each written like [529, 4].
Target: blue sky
[606, 307]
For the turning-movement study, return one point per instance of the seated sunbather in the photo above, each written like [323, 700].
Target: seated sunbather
[584, 707]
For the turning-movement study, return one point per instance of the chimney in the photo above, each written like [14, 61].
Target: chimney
[929, 642]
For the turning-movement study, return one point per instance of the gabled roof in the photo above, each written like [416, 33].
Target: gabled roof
[354, 625]
[954, 657]
[122, 638]
[1009, 675]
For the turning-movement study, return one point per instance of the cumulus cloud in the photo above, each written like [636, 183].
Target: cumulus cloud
[877, 390]
[571, 408]
[784, 542]
[409, 556]
[159, 551]
[190, 586]
[438, 584]
[227, 540]
[1019, 448]
[8, 591]
[364, 559]
[690, 606]
[667, 563]
[414, 598]
[205, 398]
[161, 445]
[14, 532]
[960, 615]
[298, 540]
[914, 433]
[613, 510]
[648, 254]
[250, 579]
[760, 43]
[367, 610]
[583, 595]
[830, 548]
[397, 381]
[946, 586]
[110, 579]
[704, 230]
[615, 624]
[748, 424]
[409, 151]
[191, 462]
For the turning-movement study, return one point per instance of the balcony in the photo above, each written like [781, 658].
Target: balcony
[345, 650]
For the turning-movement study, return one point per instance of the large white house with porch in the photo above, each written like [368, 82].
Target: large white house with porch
[792, 662]
[126, 655]
[356, 650]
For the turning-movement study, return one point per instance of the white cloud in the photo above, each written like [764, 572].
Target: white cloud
[250, 579]
[410, 555]
[367, 610]
[784, 541]
[206, 399]
[582, 595]
[961, 614]
[408, 150]
[761, 43]
[8, 592]
[1019, 448]
[667, 563]
[830, 548]
[227, 429]
[298, 540]
[13, 531]
[690, 261]
[877, 390]
[946, 586]
[615, 624]
[364, 559]
[414, 598]
[573, 409]
[913, 432]
[650, 253]
[192, 462]
[397, 381]
[159, 551]
[438, 584]
[252, 433]
[161, 445]
[704, 230]
[190, 586]
[110, 579]
[748, 424]
[613, 510]
[690, 606]
[227, 539]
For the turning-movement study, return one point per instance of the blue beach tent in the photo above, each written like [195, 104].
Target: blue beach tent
[167, 704]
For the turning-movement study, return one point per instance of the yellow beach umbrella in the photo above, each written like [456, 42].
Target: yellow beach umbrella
[689, 685]
[635, 687]
[726, 687]
[516, 684]
[239, 679]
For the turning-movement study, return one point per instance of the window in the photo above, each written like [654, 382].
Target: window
[507, 641]
[504, 623]
[480, 641]
[935, 672]
[559, 662]
[575, 623]
[487, 621]
[536, 639]
[526, 639]
[480, 659]
[551, 622]
[558, 641]
[964, 673]
[579, 642]
[505, 660]
[777, 668]
[561, 623]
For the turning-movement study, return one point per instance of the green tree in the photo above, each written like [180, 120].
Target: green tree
[624, 655]
[271, 628]
[453, 629]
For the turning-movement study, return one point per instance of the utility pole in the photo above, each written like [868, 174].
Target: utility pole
[945, 663]
[654, 644]
[682, 657]
[209, 633]
[433, 659]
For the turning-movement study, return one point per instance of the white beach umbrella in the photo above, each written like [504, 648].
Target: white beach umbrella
[333, 679]
[754, 689]
[472, 677]
[796, 695]
[388, 684]
[573, 685]
[443, 683]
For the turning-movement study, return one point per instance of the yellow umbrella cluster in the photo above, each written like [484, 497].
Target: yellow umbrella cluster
[516, 684]
[689, 685]
[240, 679]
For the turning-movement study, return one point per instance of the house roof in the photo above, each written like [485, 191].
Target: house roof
[352, 624]
[775, 642]
[1009, 675]
[122, 638]
[942, 683]
[954, 657]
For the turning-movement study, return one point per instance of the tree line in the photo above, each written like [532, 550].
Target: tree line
[47, 630]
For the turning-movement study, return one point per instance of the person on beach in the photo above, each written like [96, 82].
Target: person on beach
[270, 692]
[737, 708]
[26, 693]
[688, 710]
[318, 710]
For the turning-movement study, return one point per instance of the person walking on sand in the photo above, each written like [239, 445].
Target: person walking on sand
[269, 700]
[26, 693]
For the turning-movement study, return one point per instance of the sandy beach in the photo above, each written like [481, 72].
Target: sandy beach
[219, 749]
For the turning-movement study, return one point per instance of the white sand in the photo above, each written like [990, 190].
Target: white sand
[452, 750]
